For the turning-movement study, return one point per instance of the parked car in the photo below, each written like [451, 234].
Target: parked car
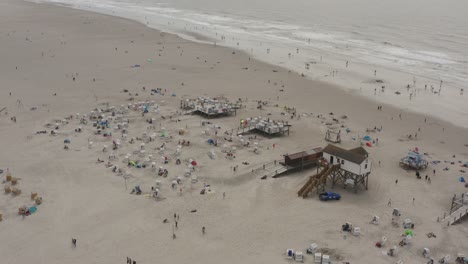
[326, 196]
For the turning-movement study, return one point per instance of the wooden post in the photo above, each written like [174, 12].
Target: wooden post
[453, 201]
[302, 161]
[367, 181]
[355, 183]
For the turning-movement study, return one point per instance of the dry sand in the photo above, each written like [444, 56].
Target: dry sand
[258, 219]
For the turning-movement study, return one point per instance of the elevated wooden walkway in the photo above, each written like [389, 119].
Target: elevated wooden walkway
[317, 181]
[457, 215]
[277, 168]
[272, 169]
[245, 130]
[458, 210]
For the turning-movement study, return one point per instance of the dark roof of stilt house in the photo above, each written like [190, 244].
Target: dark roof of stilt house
[356, 155]
[360, 150]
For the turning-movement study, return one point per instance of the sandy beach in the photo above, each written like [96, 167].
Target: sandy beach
[57, 62]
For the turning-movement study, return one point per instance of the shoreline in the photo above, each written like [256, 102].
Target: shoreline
[259, 219]
[359, 79]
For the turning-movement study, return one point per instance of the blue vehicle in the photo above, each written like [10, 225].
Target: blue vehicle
[326, 196]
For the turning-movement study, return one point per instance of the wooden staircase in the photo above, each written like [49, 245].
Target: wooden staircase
[317, 180]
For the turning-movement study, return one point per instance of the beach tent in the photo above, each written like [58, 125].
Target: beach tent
[367, 138]
[369, 144]
[32, 209]
[461, 179]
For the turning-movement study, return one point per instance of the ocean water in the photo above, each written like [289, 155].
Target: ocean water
[424, 39]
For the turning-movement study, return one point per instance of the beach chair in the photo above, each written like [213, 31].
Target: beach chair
[298, 257]
[38, 200]
[407, 224]
[383, 241]
[426, 253]
[356, 231]
[16, 191]
[194, 178]
[318, 258]
[312, 248]
[325, 259]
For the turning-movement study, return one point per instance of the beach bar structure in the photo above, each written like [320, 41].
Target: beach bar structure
[209, 107]
[414, 161]
[265, 126]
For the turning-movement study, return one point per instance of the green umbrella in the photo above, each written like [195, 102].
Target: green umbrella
[408, 232]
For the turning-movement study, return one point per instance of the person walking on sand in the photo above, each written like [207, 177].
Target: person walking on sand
[389, 202]
[74, 242]
[413, 200]
[224, 195]
[396, 181]
[203, 230]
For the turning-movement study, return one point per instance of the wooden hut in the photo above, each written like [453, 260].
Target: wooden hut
[307, 156]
